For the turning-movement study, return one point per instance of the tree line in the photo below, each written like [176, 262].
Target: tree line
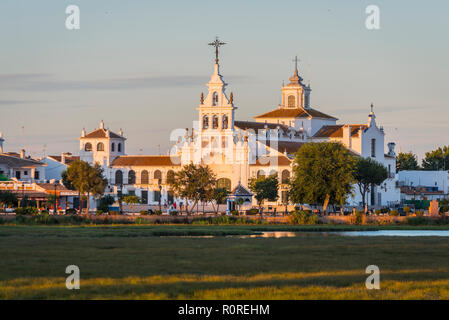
[437, 159]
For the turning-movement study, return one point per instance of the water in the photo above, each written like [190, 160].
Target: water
[395, 233]
[275, 234]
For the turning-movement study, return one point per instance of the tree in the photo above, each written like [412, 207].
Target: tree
[436, 159]
[219, 196]
[322, 173]
[7, 198]
[130, 200]
[105, 202]
[193, 182]
[368, 173]
[85, 179]
[406, 161]
[264, 188]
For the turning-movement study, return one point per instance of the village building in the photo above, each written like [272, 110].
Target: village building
[236, 150]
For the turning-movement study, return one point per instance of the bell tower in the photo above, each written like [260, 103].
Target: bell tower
[295, 95]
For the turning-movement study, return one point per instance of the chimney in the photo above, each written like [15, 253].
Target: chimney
[22, 153]
[347, 136]
[120, 132]
[101, 124]
[391, 146]
[83, 132]
[63, 157]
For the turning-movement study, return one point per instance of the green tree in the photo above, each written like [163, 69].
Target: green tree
[219, 196]
[264, 188]
[436, 159]
[323, 173]
[105, 202]
[194, 183]
[86, 179]
[406, 161]
[367, 173]
[7, 198]
[130, 200]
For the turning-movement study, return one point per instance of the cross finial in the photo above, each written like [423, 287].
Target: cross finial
[296, 62]
[217, 44]
[372, 106]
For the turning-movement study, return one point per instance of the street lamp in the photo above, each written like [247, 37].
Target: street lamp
[159, 182]
[120, 195]
[54, 211]
[23, 194]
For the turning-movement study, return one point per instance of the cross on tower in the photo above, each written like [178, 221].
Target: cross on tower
[296, 62]
[216, 44]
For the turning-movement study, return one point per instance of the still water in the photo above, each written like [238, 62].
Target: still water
[388, 233]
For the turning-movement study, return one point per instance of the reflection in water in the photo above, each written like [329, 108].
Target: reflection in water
[396, 233]
[277, 234]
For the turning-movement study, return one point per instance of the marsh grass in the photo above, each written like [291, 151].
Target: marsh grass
[132, 262]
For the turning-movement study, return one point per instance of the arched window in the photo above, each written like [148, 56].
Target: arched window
[291, 101]
[119, 147]
[215, 122]
[118, 177]
[273, 173]
[215, 99]
[285, 176]
[100, 146]
[88, 147]
[225, 122]
[144, 178]
[373, 148]
[113, 147]
[205, 122]
[260, 174]
[131, 177]
[224, 183]
[157, 174]
[170, 176]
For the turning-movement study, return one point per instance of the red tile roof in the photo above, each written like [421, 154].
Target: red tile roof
[101, 133]
[268, 161]
[295, 113]
[336, 131]
[258, 125]
[144, 161]
[68, 159]
[282, 146]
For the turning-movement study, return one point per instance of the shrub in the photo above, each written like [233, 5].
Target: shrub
[143, 212]
[394, 213]
[419, 213]
[252, 211]
[444, 208]
[358, 218]
[70, 211]
[99, 212]
[303, 217]
[27, 211]
[416, 221]
[234, 212]
[114, 213]
[407, 209]
[377, 212]
[157, 212]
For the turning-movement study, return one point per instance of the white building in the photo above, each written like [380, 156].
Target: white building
[422, 184]
[236, 150]
[57, 164]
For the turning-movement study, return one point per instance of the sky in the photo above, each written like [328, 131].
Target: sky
[142, 65]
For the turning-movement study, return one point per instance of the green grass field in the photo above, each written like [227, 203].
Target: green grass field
[139, 262]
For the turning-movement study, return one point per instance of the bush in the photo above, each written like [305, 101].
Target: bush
[358, 218]
[394, 213]
[252, 211]
[407, 210]
[419, 213]
[303, 217]
[444, 208]
[157, 212]
[27, 211]
[143, 212]
[70, 211]
[114, 213]
[234, 213]
[99, 212]
[416, 221]
[377, 212]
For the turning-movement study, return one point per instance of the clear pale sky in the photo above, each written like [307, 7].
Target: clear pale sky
[142, 65]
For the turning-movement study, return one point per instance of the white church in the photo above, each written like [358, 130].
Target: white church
[237, 150]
